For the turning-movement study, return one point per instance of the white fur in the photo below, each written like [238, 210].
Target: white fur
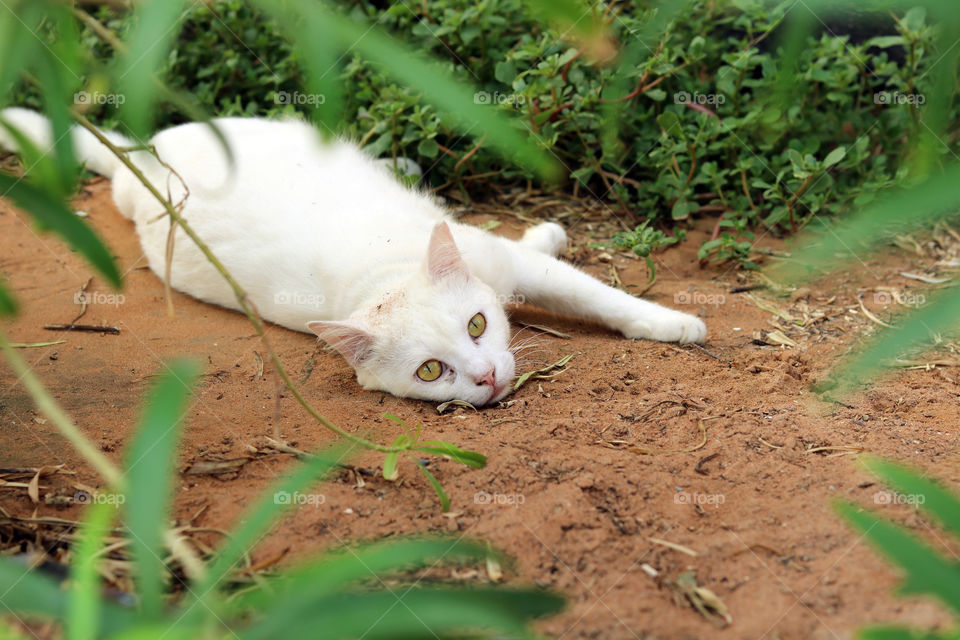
[321, 232]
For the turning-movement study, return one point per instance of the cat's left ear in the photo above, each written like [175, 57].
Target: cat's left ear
[354, 343]
[443, 257]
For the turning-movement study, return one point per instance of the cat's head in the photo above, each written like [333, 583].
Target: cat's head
[443, 337]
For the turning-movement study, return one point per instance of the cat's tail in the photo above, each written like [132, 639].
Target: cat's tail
[36, 128]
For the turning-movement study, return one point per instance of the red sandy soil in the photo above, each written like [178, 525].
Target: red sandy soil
[562, 493]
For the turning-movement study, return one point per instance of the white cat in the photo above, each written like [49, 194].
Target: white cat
[325, 239]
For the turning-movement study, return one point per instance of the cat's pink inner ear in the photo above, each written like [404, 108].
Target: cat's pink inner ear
[443, 257]
[352, 342]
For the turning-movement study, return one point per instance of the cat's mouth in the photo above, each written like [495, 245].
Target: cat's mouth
[498, 392]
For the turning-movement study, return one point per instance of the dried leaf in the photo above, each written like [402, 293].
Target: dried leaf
[549, 371]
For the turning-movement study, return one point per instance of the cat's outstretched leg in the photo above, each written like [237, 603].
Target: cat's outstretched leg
[557, 286]
[548, 238]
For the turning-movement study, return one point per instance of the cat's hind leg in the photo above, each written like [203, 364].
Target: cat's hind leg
[548, 238]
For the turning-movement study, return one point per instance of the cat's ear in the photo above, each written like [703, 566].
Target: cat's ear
[352, 342]
[443, 257]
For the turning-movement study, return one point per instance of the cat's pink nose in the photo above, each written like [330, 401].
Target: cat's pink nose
[488, 379]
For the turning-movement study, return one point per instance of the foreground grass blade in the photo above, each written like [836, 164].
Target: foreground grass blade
[927, 573]
[85, 604]
[312, 33]
[8, 306]
[937, 501]
[940, 315]
[255, 524]
[149, 45]
[27, 592]
[899, 633]
[298, 591]
[897, 212]
[150, 463]
[438, 86]
[406, 612]
[54, 215]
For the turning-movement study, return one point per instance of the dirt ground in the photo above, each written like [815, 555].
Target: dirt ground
[578, 488]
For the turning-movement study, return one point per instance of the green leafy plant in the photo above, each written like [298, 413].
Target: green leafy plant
[343, 593]
[642, 241]
[736, 246]
[927, 572]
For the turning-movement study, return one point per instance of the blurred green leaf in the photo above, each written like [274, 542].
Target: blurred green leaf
[439, 88]
[927, 573]
[149, 43]
[253, 525]
[85, 605]
[8, 305]
[937, 501]
[53, 214]
[414, 612]
[149, 473]
[939, 315]
[893, 213]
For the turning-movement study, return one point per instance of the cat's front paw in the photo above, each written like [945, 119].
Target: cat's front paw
[547, 237]
[668, 326]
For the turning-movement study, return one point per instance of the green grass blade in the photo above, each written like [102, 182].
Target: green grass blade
[404, 612]
[440, 448]
[444, 498]
[900, 633]
[148, 47]
[897, 212]
[8, 305]
[18, 44]
[390, 460]
[317, 42]
[937, 501]
[927, 573]
[942, 314]
[298, 591]
[255, 523]
[57, 72]
[85, 603]
[26, 592]
[637, 47]
[439, 87]
[150, 464]
[53, 214]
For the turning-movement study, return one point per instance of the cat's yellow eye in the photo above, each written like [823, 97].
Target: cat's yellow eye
[430, 370]
[477, 325]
